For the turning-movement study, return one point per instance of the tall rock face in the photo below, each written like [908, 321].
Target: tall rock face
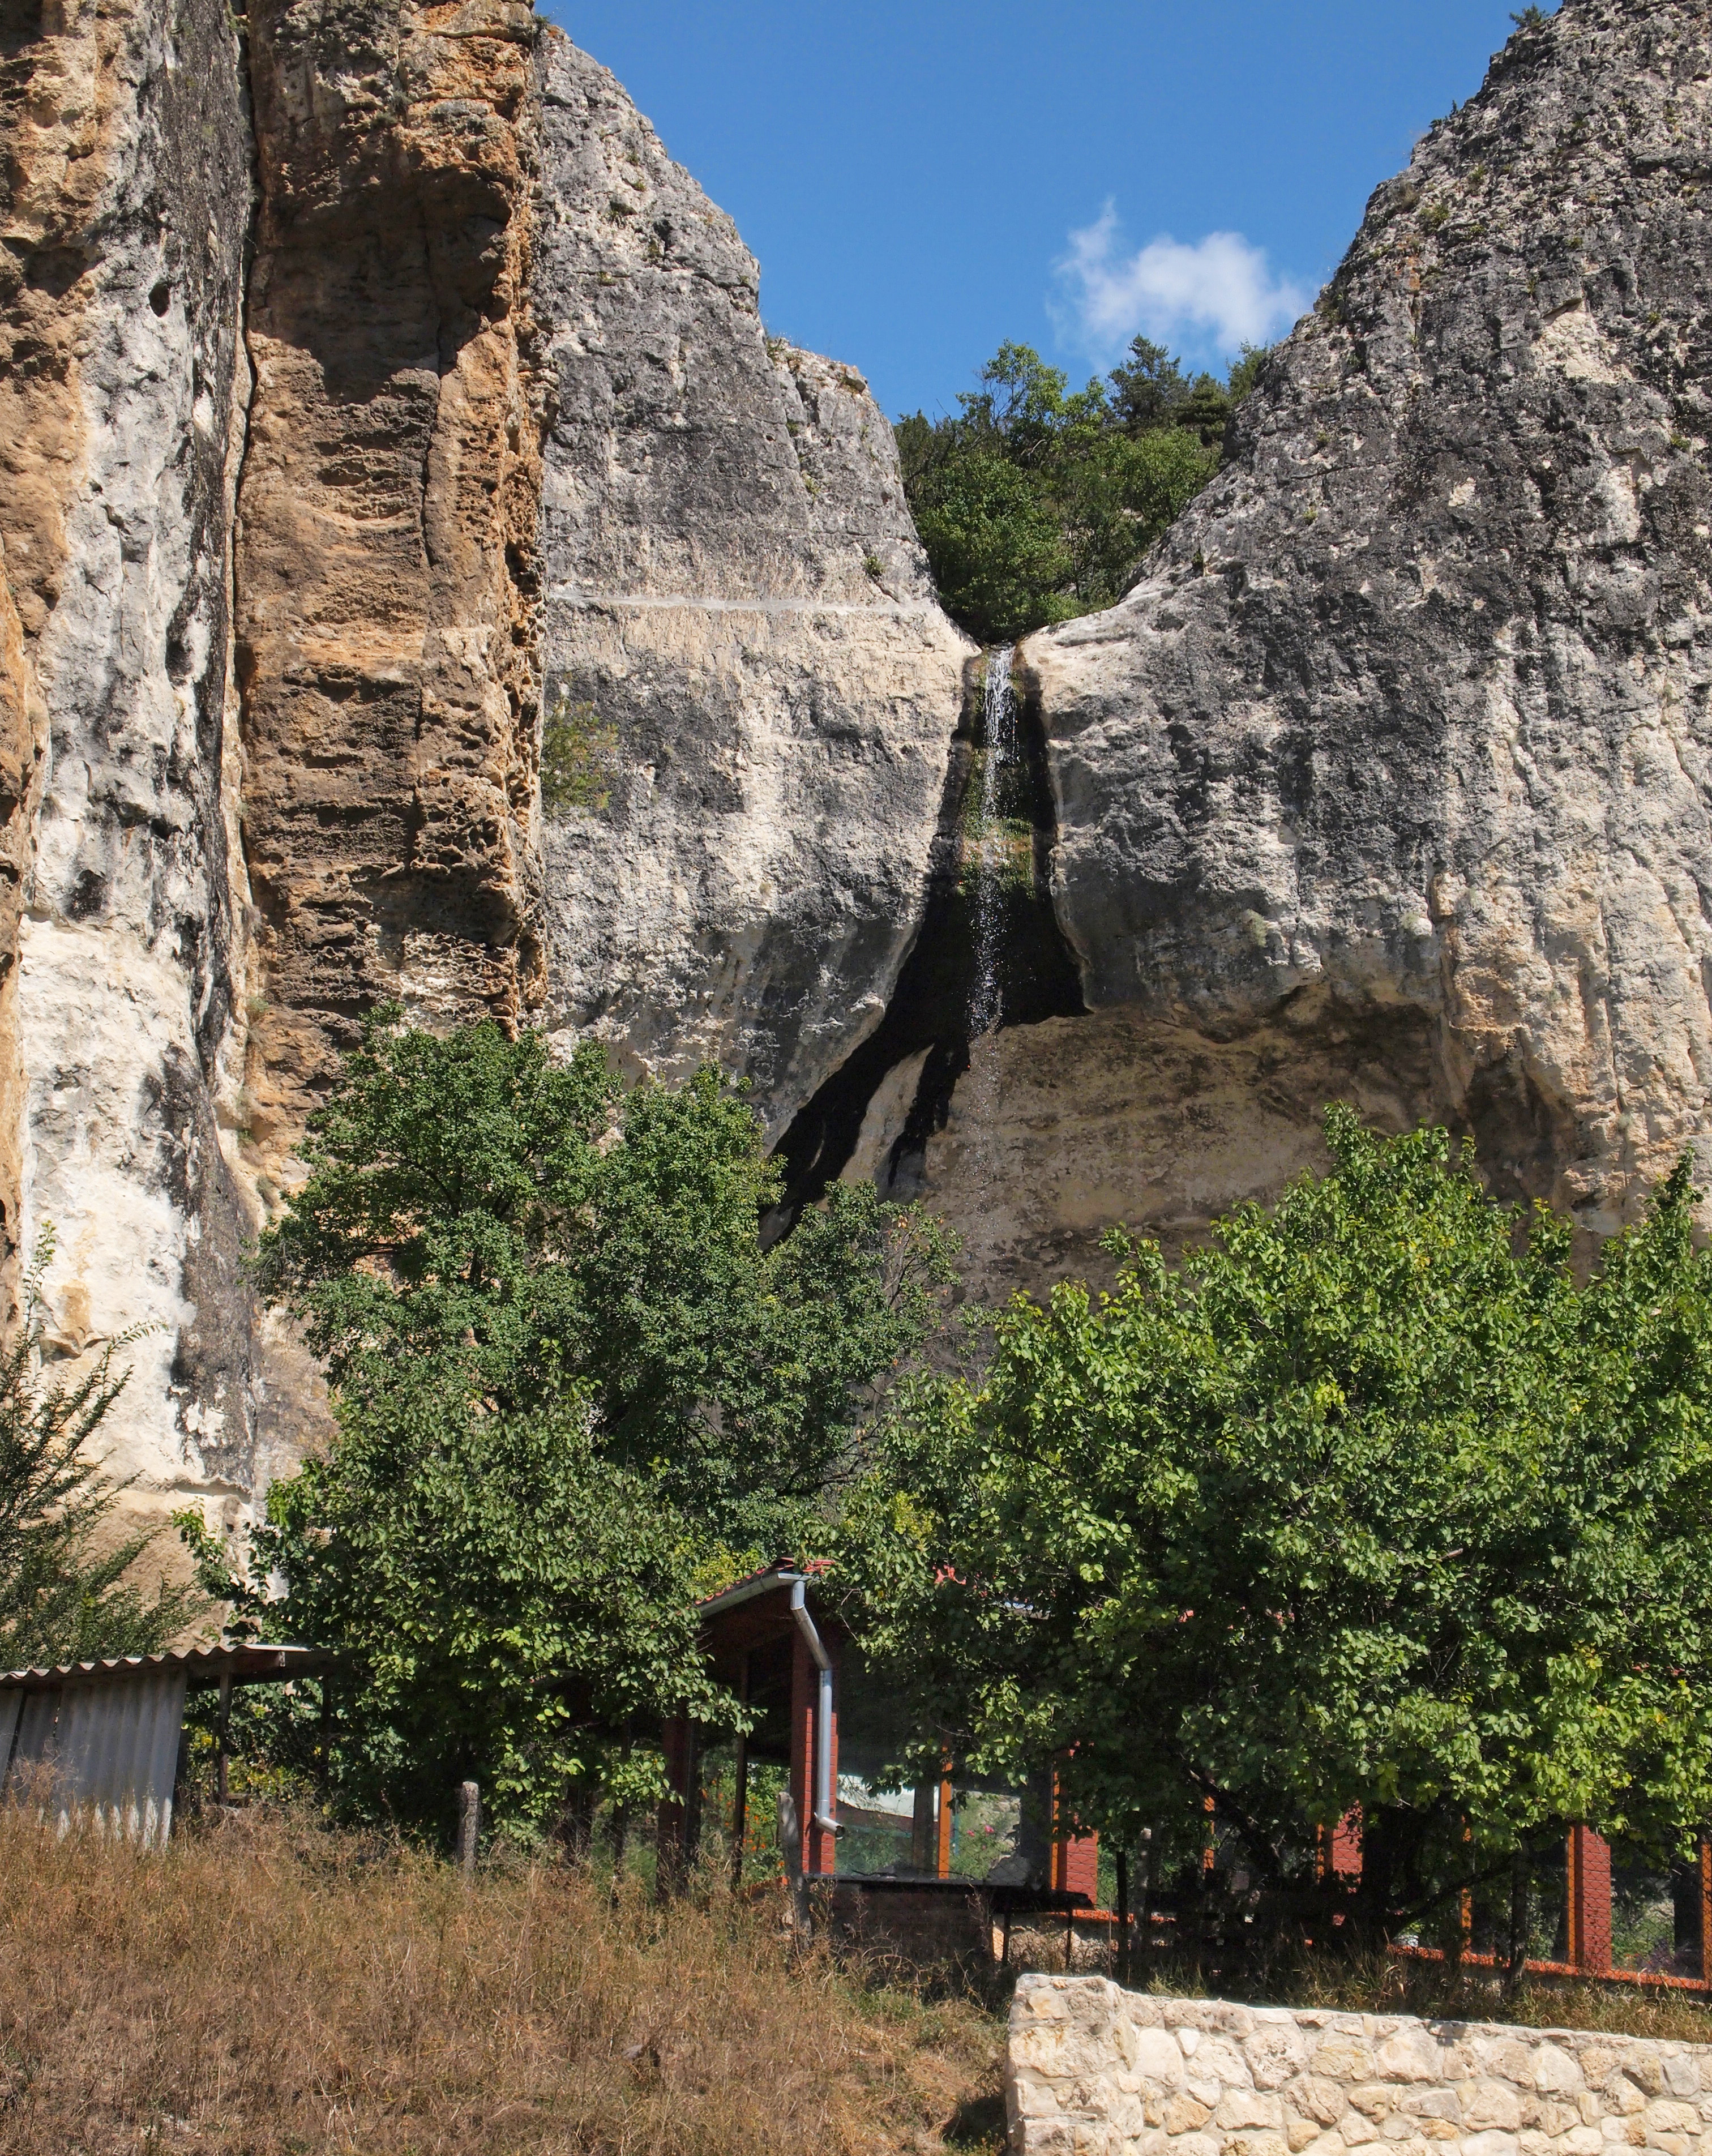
[124, 191]
[387, 578]
[290, 305]
[750, 690]
[1392, 777]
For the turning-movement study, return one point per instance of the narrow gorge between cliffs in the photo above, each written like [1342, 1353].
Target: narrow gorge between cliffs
[989, 955]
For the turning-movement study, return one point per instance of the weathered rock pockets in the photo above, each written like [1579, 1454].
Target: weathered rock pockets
[1106, 2072]
[427, 579]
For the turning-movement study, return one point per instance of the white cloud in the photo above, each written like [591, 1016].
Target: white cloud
[1220, 293]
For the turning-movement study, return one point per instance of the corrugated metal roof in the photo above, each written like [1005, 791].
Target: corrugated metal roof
[248, 1663]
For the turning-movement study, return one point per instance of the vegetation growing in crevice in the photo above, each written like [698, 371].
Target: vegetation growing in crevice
[67, 1587]
[1036, 504]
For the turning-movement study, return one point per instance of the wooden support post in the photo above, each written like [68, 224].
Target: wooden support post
[1706, 1911]
[225, 1733]
[1121, 1958]
[740, 1795]
[468, 1826]
[802, 1782]
[922, 1842]
[325, 1766]
[1588, 1884]
[942, 1855]
[672, 1825]
[692, 1799]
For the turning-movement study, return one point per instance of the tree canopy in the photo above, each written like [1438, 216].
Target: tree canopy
[569, 1382]
[1036, 503]
[1370, 1503]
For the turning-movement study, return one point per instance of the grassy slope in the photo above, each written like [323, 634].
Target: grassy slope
[265, 1988]
[262, 1989]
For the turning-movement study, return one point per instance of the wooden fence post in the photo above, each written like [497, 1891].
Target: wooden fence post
[468, 1825]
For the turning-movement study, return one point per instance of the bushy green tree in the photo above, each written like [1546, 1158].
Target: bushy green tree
[569, 1381]
[563, 1238]
[1036, 503]
[1369, 1503]
[508, 1606]
[66, 1592]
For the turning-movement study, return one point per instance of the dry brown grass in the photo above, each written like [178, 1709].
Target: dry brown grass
[266, 1987]
[1383, 1985]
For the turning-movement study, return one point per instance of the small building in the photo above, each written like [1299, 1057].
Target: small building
[777, 1641]
[100, 1741]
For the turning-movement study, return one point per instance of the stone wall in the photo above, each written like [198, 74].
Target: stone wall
[1106, 2072]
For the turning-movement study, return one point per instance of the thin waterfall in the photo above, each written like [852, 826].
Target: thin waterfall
[999, 726]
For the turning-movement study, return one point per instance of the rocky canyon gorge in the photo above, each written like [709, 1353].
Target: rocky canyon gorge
[425, 578]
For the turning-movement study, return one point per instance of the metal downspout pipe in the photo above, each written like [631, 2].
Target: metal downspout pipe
[823, 1801]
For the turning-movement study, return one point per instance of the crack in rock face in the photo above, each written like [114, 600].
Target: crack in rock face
[423, 577]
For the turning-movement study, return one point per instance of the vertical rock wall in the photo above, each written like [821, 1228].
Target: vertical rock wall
[750, 689]
[272, 403]
[125, 169]
[1408, 725]
[386, 571]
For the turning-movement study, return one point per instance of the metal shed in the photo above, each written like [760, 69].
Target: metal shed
[99, 1741]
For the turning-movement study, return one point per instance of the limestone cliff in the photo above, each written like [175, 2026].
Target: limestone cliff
[750, 689]
[289, 303]
[387, 572]
[421, 576]
[1393, 775]
[123, 192]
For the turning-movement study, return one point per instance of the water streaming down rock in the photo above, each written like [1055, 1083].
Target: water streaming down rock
[999, 731]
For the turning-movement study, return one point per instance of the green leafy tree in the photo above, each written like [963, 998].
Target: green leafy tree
[1036, 503]
[67, 1592]
[562, 1238]
[570, 1380]
[1370, 1503]
[509, 1607]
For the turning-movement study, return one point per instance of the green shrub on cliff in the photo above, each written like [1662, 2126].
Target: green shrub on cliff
[67, 1589]
[1036, 504]
[1372, 1503]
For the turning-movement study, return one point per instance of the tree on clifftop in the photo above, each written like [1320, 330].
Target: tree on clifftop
[1036, 503]
[1370, 1504]
[569, 1381]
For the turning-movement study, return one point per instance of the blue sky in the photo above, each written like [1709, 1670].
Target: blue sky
[919, 182]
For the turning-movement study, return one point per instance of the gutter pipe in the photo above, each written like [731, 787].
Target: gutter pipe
[823, 1716]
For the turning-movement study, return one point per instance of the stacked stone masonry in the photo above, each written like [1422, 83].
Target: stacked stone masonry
[1100, 2072]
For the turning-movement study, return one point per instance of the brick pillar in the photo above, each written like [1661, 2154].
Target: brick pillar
[1706, 1882]
[1075, 1857]
[802, 1690]
[1588, 1870]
